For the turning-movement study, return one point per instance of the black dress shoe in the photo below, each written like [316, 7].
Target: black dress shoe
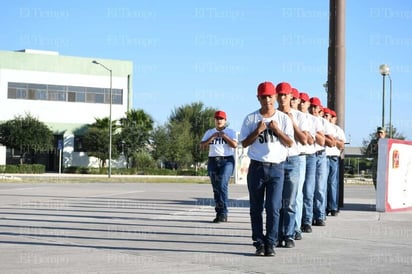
[289, 243]
[307, 228]
[334, 213]
[269, 251]
[319, 222]
[298, 236]
[220, 219]
[260, 249]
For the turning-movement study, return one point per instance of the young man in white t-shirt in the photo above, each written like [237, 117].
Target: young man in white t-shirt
[267, 133]
[319, 202]
[293, 163]
[333, 154]
[310, 150]
[221, 142]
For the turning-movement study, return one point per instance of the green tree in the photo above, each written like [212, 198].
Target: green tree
[96, 140]
[26, 134]
[103, 123]
[136, 129]
[142, 160]
[170, 143]
[160, 143]
[196, 118]
[179, 141]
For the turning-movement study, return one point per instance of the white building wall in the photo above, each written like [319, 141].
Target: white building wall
[55, 111]
[71, 158]
[2, 155]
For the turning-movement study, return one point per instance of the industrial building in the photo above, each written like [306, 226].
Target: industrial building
[66, 93]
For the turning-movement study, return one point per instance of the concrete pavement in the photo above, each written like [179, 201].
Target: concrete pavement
[167, 228]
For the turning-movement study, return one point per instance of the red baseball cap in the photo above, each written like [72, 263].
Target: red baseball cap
[327, 111]
[333, 113]
[266, 88]
[315, 101]
[283, 88]
[220, 114]
[304, 96]
[295, 93]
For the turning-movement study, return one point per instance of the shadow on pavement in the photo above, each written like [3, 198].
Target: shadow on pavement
[359, 207]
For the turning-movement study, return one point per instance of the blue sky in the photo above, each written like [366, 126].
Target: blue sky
[217, 52]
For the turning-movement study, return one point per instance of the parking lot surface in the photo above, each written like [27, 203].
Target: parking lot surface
[166, 228]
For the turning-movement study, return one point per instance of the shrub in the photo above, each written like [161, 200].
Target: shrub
[25, 168]
[143, 160]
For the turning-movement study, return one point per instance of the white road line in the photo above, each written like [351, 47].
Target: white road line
[114, 194]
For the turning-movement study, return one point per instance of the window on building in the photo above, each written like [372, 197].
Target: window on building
[57, 92]
[32, 94]
[117, 99]
[36, 92]
[90, 97]
[99, 98]
[77, 94]
[12, 93]
[17, 91]
[41, 95]
[21, 94]
[80, 97]
[71, 96]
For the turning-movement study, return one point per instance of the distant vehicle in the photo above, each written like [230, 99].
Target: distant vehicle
[349, 169]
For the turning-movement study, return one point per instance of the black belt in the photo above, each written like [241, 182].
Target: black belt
[263, 163]
[320, 152]
[306, 154]
[220, 158]
[333, 157]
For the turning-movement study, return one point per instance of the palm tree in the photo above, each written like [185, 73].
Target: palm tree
[135, 134]
[96, 140]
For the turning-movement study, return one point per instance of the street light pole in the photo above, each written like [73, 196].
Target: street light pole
[390, 107]
[110, 118]
[384, 70]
